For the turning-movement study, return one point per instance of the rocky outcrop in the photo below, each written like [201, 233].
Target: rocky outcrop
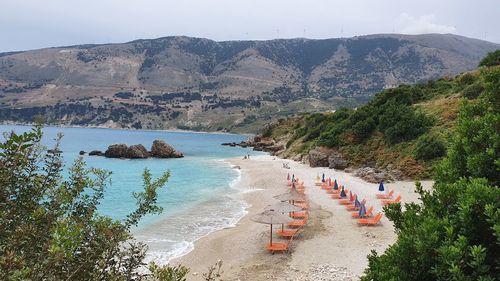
[137, 151]
[116, 151]
[161, 149]
[337, 161]
[373, 175]
[96, 153]
[259, 143]
[318, 158]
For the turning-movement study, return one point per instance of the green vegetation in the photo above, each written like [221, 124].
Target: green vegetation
[455, 233]
[50, 227]
[407, 127]
[491, 59]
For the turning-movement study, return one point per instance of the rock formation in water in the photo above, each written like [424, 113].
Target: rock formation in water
[159, 149]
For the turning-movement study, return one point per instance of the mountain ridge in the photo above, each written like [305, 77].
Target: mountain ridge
[186, 82]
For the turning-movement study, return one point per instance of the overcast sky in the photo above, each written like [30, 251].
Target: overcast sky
[32, 24]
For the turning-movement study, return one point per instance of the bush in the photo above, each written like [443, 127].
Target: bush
[402, 123]
[473, 91]
[491, 59]
[428, 148]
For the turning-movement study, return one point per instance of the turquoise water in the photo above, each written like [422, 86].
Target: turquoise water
[198, 199]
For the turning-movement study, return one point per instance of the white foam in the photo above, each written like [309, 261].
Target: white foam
[193, 224]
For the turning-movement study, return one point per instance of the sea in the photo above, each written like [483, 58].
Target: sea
[200, 197]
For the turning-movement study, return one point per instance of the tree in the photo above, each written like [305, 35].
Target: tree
[50, 227]
[454, 234]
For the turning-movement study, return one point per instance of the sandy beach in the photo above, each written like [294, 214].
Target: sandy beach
[331, 247]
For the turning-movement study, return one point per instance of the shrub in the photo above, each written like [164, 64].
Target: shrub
[428, 148]
[473, 91]
[402, 123]
[491, 59]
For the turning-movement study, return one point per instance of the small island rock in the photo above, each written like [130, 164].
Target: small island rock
[116, 151]
[161, 149]
[137, 151]
[96, 153]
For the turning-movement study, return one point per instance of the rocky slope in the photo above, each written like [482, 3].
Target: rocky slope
[200, 84]
[401, 134]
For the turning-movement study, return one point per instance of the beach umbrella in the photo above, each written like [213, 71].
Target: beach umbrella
[362, 210]
[293, 177]
[293, 185]
[329, 181]
[323, 178]
[350, 196]
[335, 185]
[317, 177]
[283, 207]
[381, 186]
[271, 217]
[288, 177]
[342, 192]
[356, 203]
[291, 195]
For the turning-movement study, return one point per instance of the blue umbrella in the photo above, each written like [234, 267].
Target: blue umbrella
[335, 185]
[342, 192]
[362, 210]
[381, 186]
[356, 203]
[323, 178]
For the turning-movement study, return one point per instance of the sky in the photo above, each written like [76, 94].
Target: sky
[33, 24]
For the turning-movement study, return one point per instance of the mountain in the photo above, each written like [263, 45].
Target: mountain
[200, 84]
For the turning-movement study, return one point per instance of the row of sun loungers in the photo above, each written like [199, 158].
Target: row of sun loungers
[349, 203]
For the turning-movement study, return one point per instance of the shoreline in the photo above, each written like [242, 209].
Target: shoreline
[173, 130]
[331, 242]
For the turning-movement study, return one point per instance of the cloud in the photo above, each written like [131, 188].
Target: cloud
[423, 24]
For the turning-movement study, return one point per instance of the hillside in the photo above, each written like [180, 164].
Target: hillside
[400, 134]
[200, 84]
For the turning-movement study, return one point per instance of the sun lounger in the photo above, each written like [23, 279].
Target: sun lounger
[390, 201]
[367, 214]
[385, 196]
[303, 205]
[282, 247]
[298, 215]
[337, 195]
[370, 221]
[287, 233]
[298, 223]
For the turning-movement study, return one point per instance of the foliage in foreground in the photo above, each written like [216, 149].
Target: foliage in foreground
[50, 227]
[455, 233]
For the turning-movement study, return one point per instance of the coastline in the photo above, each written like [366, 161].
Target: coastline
[172, 130]
[332, 242]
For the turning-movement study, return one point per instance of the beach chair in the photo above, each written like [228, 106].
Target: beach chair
[367, 214]
[352, 207]
[347, 201]
[298, 215]
[337, 195]
[298, 223]
[303, 205]
[370, 221]
[282, 246]
[385, 196]
[326, 186]
[287, 233]
[390, 201]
